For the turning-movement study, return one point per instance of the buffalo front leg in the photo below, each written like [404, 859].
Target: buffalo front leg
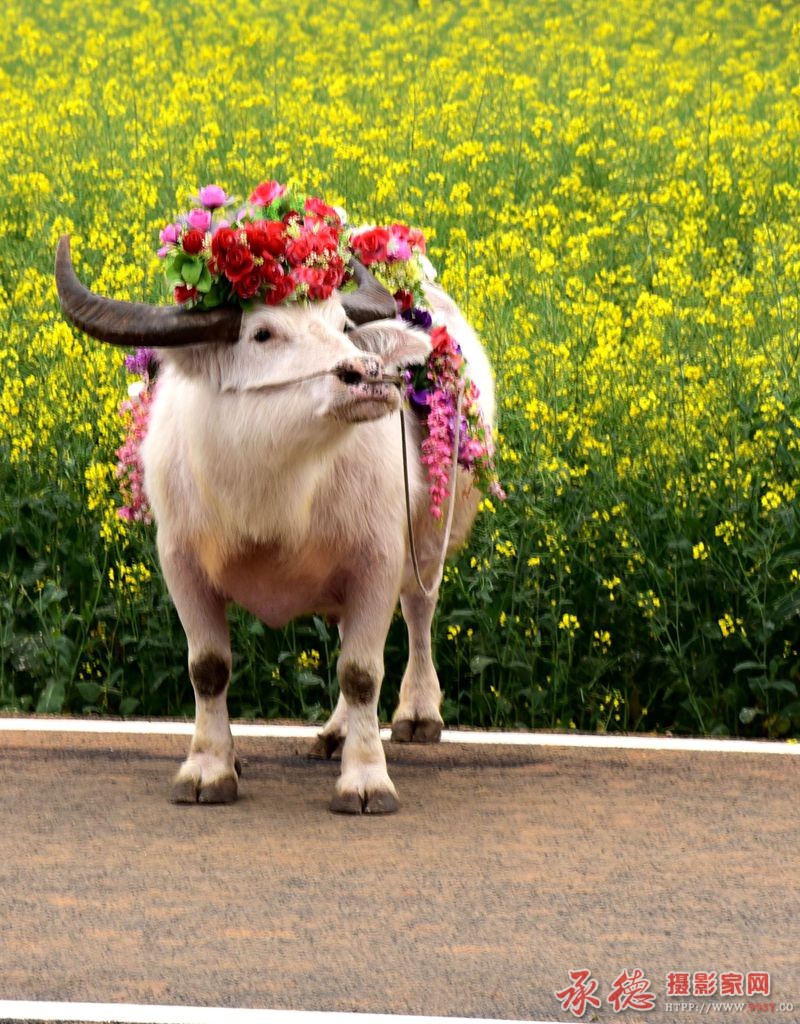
[209, 773]
[417, 718]
[364, 786]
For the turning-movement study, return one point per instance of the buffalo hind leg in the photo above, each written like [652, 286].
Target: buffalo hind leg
[330, 738]
[209, 775]
[417, 718]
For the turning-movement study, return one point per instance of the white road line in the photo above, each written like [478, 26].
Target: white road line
[125, 1013]
[605, 741]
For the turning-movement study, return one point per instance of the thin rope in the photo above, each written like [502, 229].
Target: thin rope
[387, 378]
[275, 385]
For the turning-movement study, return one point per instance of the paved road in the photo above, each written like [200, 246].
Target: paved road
[505, 869]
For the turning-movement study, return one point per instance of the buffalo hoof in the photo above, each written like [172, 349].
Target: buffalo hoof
[379, 802]
[221, 791]
[184, 791]
[425, 730]
[327, 747]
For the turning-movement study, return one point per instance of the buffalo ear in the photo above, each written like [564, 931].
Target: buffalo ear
[396, 344]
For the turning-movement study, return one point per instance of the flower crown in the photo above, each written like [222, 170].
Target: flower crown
[283, 247]
[280, 247]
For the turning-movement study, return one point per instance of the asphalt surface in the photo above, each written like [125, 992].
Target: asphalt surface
[506, 868]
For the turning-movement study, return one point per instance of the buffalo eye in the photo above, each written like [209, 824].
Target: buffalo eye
[262, 334]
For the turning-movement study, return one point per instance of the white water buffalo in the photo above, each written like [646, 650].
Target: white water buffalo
[290, 501]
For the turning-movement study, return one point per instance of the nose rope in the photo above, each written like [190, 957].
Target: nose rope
[398, 380]
[386, 378]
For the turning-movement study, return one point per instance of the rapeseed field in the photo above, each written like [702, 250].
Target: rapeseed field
[610, 191]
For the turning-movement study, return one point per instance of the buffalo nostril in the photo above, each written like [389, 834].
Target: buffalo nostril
[350, 376]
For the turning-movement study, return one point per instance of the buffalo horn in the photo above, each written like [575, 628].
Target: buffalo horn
[370, 301]
[137, 323]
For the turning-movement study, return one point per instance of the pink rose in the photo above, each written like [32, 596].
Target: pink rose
[399, 250]
[170, 234]
[212, 196]
[267, 192]
[200, 219]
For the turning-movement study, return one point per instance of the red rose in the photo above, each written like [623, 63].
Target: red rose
[299, 249]
[193, 241]
[238, 262]
[266, 237]
[184, 293]
[275, 233]
[267, 192]
[327, 239]
[271, 271]
[404, 300]
[416, 239]
[440, 339]
[314, 280]
[223, 240]
[322, 210]
[279, 291]
[335, 272]
[248, 284]
[371, 246]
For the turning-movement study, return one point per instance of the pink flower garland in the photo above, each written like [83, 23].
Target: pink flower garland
[129, 470]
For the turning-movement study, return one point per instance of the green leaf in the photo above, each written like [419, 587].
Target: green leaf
[89, 691]
[191, 271]
[205, 281]
[322, 630]
[744, 666]
[479, 663]
[173, 276]
[128, 706]
[781, 684]
[746, 715]
[212, 298]
[52, 700]
[306, 678]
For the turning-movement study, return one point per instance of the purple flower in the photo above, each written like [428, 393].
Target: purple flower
[418, 317]
[421, 398]
[212, 197]
[200, 219]
[141, 361]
